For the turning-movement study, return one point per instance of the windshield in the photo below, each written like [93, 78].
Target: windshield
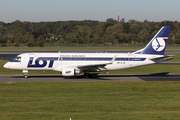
[17, 58]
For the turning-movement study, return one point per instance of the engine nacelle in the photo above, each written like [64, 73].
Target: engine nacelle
[70, 71]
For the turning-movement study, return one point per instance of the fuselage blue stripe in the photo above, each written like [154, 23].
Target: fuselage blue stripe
[52, 59]
[99, 59]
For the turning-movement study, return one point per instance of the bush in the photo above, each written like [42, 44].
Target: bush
[31, 44]
[41, 44]
[3, 45]
[16, 45]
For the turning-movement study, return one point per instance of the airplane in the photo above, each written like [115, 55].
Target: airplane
[71, 64]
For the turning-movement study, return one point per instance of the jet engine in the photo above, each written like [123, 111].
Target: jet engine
[70, 71]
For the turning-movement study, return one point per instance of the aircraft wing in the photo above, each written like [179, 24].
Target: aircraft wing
[96, 65]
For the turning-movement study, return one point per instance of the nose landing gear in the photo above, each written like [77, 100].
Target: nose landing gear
[25, 74]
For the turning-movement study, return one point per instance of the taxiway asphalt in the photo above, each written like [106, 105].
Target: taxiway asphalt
[94, 78]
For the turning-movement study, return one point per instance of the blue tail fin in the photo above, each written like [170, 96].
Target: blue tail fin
[158, 44]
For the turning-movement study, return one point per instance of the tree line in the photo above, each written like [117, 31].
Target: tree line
[84, 32]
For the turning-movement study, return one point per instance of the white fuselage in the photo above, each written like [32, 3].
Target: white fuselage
[58, 61]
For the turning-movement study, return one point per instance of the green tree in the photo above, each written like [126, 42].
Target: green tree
[110, 30]
[23, 32]
[132, 38]
[40, 41]
[42, 29]
[69, 30]
[16, 37]
[171, 38]
[109, 22]
[83, 30]
[21, 39]
[126, 28]
[143, 36]
[71, 38]
[123, 38]
[135, 28]
[118, 28]
[59, 31]
[2, 40]
[7, 39]
[96, 39]
[30, 40]
[177, 37]
[98, 30]
[16, 44]
[110, 38]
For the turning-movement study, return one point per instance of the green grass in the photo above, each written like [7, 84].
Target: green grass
[90, 101]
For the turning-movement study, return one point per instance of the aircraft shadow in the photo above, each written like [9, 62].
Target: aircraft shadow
[96, 77]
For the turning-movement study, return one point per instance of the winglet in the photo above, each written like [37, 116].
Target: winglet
[112, 60]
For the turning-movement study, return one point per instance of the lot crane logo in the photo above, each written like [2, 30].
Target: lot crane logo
[159, 44]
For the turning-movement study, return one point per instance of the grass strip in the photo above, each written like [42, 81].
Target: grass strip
[90, 100]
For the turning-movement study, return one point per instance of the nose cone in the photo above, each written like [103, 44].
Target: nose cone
[7, 65]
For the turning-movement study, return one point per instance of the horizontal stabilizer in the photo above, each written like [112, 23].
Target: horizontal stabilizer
[162, 59]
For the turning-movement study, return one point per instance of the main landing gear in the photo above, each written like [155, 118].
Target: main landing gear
[87, 75]
[25, 74]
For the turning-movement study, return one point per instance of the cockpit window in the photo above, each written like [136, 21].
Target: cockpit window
[17, 58]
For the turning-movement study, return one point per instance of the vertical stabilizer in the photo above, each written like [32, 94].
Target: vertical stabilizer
[158, 44]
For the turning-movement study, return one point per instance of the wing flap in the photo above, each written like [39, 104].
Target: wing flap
[97, 65]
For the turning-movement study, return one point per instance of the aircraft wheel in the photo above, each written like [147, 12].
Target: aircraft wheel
[87, 75]
[26, 76]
